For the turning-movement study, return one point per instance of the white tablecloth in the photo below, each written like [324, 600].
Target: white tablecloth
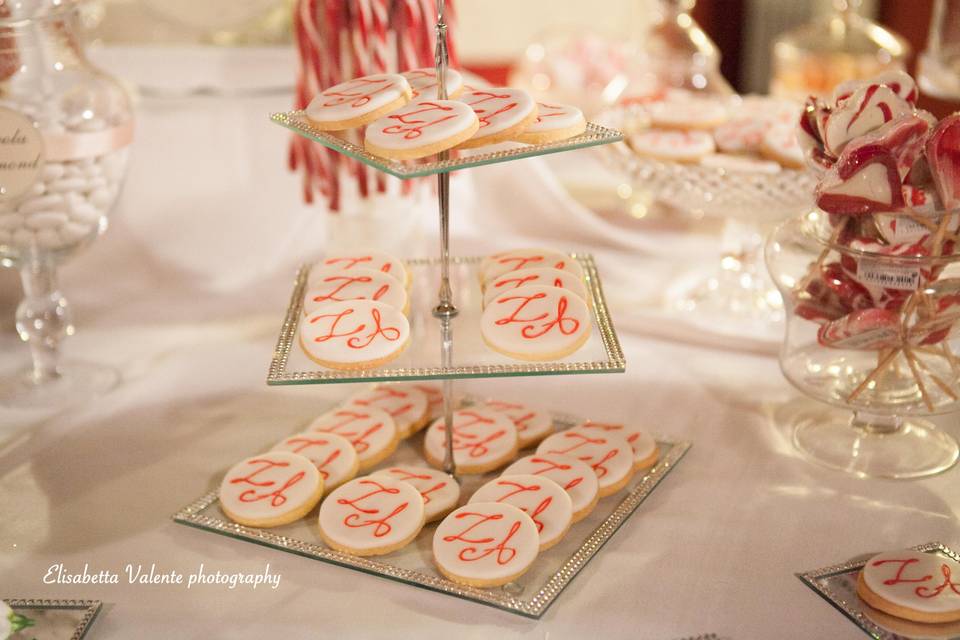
[185, 294]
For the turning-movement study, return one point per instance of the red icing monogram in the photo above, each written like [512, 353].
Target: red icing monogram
[302, 443]
[583, 440]
[358, 92]
[412, 123]
[605, 426]
[550, 465]
[565, 324]
[921, 591]
[484, 113]
[403, 474]
[277, 498]
[521, 262]
[351, 426]
[515, 488]
[476, 445]
[558, 110]
[351, 262]
[522, 422]
[354, 338]
[475, 551]
[381, 394]
[342, 284]
[364, 516]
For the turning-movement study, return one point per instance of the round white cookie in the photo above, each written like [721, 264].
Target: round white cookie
[354, 334]
[358, 101]
[496, 265]
[608, 454]
[333, 455]
[361, 259]
[695, 113]
[532, 425]
[536, 323]
[645, 450]
[407, 405]
[485, 544]
[334, 285]
[270, 489]
[482, 440]
[372, 432]
[780, 144]
[575, 477]
[425, 86]
[421, 128]
[672, 146]
[440, 491]
[547, 504]
[912, 585]
[554, 122]
[502, 112]
[546, 276]
[372, 515]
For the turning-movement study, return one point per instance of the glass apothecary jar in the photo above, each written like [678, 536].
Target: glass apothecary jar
[873, 305]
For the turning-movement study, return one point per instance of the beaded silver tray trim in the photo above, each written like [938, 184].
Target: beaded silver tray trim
[533, 607]
[298, 123]
[852, 607]
[615, 362]
[92, 608]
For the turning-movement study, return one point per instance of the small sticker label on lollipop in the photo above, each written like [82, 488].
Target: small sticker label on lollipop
[877, 273]
[907, 230]
[21, 154]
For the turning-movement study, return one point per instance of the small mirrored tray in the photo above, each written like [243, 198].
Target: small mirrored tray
[350, 143]
[471, 357]
[55, 619]
[838, 586]
[529, 596]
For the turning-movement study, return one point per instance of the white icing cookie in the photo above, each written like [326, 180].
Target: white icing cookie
[334, 285]
[434, 393]
[485, 544]
[424, 83]
[741, 135]
[532, 425]
[645, 450]
[546, 276]
[913, 585]
[536, 323]
[421, 128]
[355, 334]
[496, 265]
[554, 122]
[361, 259]
[780, 144]
[503, 112]
[372, 515]
[440, 491]
[609, 455]
[547, 504]
[333, 455]
[406, 404]
[673, 146]
[482, 440]
[355, 102]
[697, 113]
[575, 477]
[372, 432]
[270, 489]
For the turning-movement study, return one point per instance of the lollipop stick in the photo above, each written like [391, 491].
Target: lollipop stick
[881, 365]
[916, 376]
[940, 383]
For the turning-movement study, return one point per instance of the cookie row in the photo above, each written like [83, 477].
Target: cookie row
[404, 119]
[535, 304]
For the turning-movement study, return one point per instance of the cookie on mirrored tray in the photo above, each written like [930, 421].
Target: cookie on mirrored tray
[574, 476]
[497, 264]
[354, 334]
[554, 122]
[546, 276]
[356, 259]
[358, 101]
[533, 425]
[536, 323]
[424, 83]
[503, 113]
[485, 544]
[483, 440]
[407, 405]
[270, 489]
[333, 455]
[334, 285]
[372, 432]
[645, 449]
[421, 128]
[440, 491]
[912, 585]
[371, 515]
[672, 146]
[547, 504]
[608, 454]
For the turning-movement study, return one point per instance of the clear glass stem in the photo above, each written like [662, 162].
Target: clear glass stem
[874, 424]
[43, 316]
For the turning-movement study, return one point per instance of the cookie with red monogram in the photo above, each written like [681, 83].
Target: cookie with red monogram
[533, 425]
[421, 128]
[270, 489]
[608, 454]
[370, 516]
[440, 491]
[503, 262]
[576, 478]
[334, 285]
[502, 112]
[358, 101]
[547, 504]
[923, 587]
[546, 276]
[485, 544]
[354, 334]
[535, 322]
[425, 86]
[645, 449]
[407, 405]
[483, 440]
[333, 455]
[353, 261]
[554, 122]
[372, 432]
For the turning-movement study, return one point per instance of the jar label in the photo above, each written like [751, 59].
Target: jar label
[21, 154]
[881, 274]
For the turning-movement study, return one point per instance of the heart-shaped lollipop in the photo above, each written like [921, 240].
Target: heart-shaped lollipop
[866, 329]
[865, 179]
[943, 157]
[867, 109]
[897, 81]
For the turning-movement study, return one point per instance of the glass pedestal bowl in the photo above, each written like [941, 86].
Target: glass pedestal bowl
[874, 337]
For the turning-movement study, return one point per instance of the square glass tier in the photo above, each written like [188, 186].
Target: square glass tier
[350, 142]
[530, 595]
[471, 357]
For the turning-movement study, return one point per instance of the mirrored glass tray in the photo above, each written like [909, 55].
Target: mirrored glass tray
[838, 586]
[56, 619]
[529, 596]
[350, 143]
[471, 357]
